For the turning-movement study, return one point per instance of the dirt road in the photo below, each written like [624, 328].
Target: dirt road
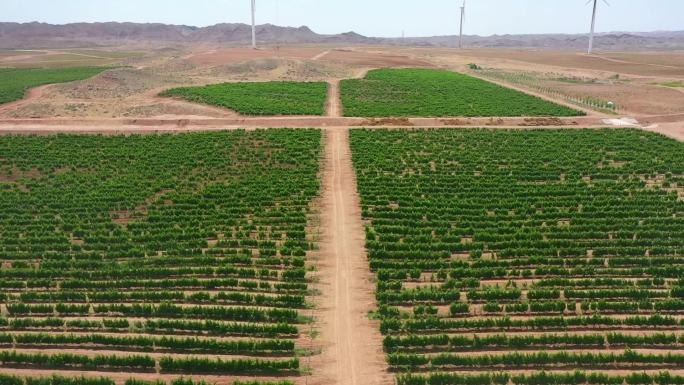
[352, 344]
[320, 55]
[334, 98]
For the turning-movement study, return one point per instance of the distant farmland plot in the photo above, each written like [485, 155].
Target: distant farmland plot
[519, 257]
[438, 93]
[259, 98]
[64, 58]
[16, 81]
[171, 254]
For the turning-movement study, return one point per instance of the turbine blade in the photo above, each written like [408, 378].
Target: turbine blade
[588, 2]
[607, 3]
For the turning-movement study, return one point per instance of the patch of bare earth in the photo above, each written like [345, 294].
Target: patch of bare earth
[373, 59]
[235, 55]
[632, 97]
[374, 122]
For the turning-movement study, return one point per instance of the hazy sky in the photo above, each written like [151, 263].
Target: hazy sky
[368, 17]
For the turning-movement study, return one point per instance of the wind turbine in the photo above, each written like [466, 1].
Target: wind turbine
[593, 24]
[460, 39]
[254, 24]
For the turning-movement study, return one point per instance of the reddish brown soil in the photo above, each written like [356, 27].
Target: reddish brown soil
[639, 99]
[373, 59]
[635, 64]
[672, 130]
[236, 55]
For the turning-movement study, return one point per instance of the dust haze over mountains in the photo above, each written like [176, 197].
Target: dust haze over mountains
[83, 35]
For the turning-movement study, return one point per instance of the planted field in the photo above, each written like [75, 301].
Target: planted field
[254, 98]
[438, 93]
[16, 81]
[173, 254]
[519, 257]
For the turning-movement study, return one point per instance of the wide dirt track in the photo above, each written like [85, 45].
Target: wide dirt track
[352, 344]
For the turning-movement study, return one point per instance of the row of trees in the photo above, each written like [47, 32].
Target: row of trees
[278, 300]
[627, 359]
[541, 378]
[446, 342]
[146, 343]
[237, 366]
[75, 361]
[154, 326]
[166, 310]
[394, 325]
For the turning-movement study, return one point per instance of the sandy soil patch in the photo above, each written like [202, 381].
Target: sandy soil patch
[373, 59]
[235, 55]
[574, 59]
[633, 98]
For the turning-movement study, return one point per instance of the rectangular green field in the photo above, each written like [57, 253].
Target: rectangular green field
[522, 256]
[438, 93]
[192, 247]
[16, 81]
[259, 98]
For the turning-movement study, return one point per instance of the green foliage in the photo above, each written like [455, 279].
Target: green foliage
[6, 379]
[567, 243]
[428, 92]
[253, 98]
[15, 81]
[186, 244]
[237, 366]
[673, 84]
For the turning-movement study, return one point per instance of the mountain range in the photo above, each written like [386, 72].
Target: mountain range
[84, 35]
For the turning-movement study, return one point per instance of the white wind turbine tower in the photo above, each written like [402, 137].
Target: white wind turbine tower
[460, 39]
[593, 25]
[254, 24]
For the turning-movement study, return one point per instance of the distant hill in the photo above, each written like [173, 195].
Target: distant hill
[41, 35]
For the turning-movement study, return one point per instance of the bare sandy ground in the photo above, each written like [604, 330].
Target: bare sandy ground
[352, 344]
[636, 63]
[363, 57]
[672, 130]
[224, 56]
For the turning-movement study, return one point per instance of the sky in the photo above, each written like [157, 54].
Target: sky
[381, 18]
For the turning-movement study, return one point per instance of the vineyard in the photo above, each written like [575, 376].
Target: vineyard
[259, 98]
[171, 254]
[438, 93]
[16, 81]
[526, 257]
